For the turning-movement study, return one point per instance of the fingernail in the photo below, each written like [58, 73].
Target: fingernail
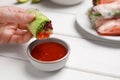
[29, 17]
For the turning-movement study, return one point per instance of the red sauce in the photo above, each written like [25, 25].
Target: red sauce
[49, 51]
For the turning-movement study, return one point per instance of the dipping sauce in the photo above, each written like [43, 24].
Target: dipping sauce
[48, 51]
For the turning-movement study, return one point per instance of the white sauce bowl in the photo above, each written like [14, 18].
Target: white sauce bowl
[67, 2]
[48, 65]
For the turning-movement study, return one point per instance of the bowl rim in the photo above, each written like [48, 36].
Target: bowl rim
[49, 62]
[64, 2]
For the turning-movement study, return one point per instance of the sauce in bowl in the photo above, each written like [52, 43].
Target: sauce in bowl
[49, 51]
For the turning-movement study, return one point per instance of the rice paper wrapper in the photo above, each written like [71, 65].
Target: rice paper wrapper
[38, 24]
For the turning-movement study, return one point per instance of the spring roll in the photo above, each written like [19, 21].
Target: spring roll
[97, 2]
[105, 17]
[41, 27]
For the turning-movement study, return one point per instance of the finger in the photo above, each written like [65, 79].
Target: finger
[1, 29]
[7, 33]
[18, 39]
[14, 39]
[23, 26]
[19, 32]
[1, 33]
[23, 18]
[13, 9]
[19, 18]
[27, 36]
[19, 10]
[6, 36]
[15, 15]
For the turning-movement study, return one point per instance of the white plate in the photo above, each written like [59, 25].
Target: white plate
[84, 23]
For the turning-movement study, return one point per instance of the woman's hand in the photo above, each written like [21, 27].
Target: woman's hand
[13, 25]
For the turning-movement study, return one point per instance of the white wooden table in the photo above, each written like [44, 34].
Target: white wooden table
[90, 58]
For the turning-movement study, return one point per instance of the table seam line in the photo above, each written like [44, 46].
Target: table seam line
[71, 68]
[93, 72]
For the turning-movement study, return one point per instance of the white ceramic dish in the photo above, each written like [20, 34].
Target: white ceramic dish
[84, 23]
[48, 65]
[67, 2]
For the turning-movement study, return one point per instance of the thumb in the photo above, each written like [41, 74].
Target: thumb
[15, 15]
[25, 18]
[19, 18]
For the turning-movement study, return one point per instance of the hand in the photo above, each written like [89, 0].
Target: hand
[13, 25]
